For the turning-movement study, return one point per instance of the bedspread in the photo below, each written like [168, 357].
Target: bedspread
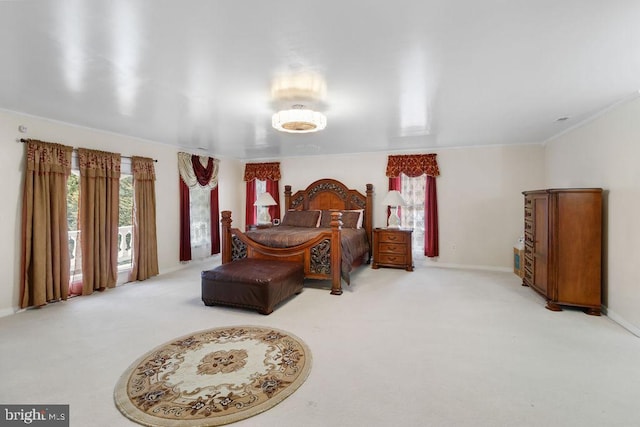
[354, 242]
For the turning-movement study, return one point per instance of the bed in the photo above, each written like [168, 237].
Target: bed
[329, 249]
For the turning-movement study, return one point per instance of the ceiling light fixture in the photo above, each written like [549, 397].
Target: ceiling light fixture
[299, 120]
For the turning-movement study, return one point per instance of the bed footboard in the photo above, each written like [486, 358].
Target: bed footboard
[321, 256]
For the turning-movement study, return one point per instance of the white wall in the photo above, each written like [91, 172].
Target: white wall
[480, 205]
[606, 153]
[480, 202]
[167, 193]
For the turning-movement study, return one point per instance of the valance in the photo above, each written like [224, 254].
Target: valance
[44, 157]
[143, 168]
[412, 165]
[94, 163]
[262, 171]
[198, 170]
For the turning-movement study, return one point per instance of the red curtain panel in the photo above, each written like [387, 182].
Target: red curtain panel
[185, 223]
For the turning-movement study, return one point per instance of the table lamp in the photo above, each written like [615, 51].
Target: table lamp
[394, 199]
[263, 202]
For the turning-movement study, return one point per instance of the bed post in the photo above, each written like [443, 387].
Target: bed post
[336, 253]
[226, 237]
[368, 217]
[287, 197]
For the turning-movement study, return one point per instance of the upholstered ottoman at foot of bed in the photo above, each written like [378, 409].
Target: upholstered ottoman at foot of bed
[252, 283]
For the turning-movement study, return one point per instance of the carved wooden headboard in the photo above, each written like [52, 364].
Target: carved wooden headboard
[327, 194]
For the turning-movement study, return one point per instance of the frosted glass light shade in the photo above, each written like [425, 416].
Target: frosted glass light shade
[298, 120]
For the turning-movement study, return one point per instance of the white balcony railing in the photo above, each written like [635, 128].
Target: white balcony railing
[200, 240]
[125, 248]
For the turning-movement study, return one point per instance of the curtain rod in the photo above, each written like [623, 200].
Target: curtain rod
[75, 149]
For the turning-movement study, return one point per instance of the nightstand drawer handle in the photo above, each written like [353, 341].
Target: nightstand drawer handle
[392, 237]
[392, 258]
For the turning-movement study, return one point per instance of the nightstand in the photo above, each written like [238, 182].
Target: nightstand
[392, 248]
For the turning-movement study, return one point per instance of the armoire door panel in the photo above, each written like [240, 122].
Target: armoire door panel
[564, 231]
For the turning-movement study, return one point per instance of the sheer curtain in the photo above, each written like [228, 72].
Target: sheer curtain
[145, 240]
[98, 218]
[200, 222]
[45, 234]
[412, 214]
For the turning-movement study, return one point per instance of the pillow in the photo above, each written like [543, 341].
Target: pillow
[301, 218]
[325, 218]
[360, 217]
[350, 218]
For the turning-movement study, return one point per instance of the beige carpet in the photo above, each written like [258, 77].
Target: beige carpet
[444, 348]
[213, 377]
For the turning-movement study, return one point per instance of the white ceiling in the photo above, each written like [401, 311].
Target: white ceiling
[401, 75]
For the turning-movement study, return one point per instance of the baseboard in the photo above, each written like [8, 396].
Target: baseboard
[213, 259]
[621, 321]
[427, 263]
[123, 278]
[172, 269]
[9, 311]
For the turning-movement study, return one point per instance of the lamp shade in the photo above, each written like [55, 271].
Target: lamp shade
[394, 198]
[265, 199]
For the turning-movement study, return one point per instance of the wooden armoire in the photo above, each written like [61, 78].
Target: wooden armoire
[563, 246]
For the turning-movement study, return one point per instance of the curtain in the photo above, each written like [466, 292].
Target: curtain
[185, 222]
[273, 188]
[198, 171]
[250, 212]
[145, 241]
[431, 219]
[414, 165]
[269, 172]
[98, 218]
[262, 171]
[208, 178]
[215, 221]
[45, 234]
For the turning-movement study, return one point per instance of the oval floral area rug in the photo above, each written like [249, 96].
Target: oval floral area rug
[213, 377]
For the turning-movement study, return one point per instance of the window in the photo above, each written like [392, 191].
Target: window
[125, 228]
[125, 223]
[200, 214]
[73, 194]
[412, 215]
[261, 187]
